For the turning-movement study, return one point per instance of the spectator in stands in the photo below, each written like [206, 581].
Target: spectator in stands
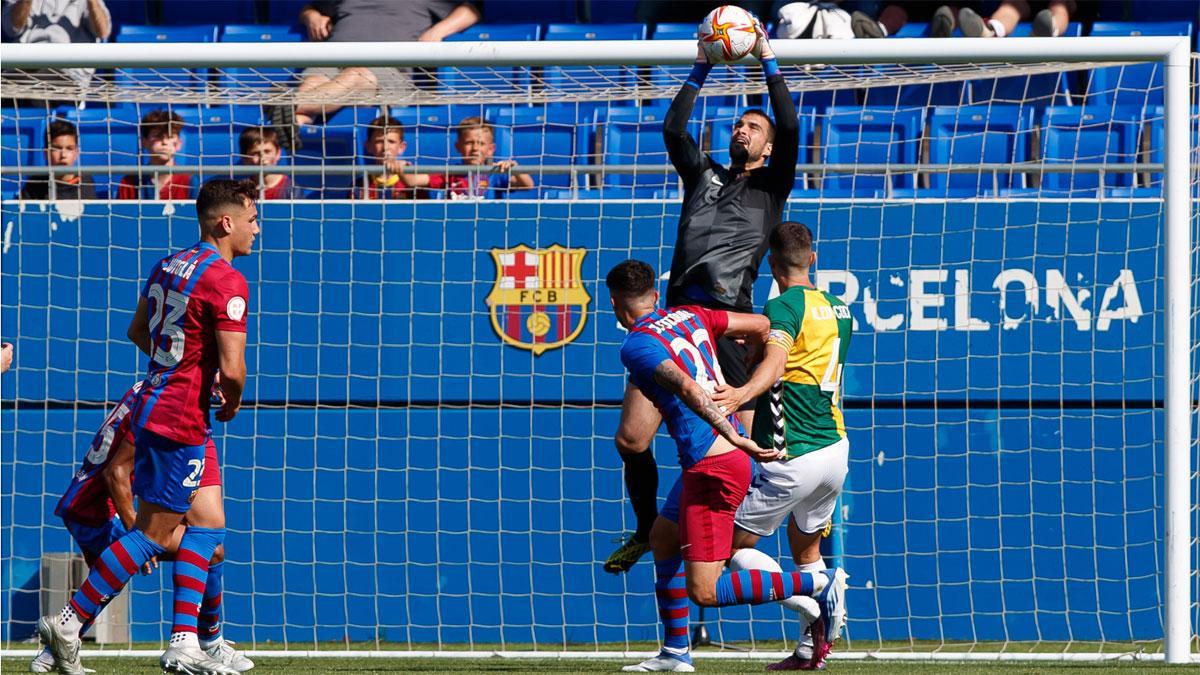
[895, 15]
[476, 146]
[161, 137]
[260, 147]
[384, 144]
[6, 356]
[1050, 21]
[62, 149]
[58, 21]
[367, 21]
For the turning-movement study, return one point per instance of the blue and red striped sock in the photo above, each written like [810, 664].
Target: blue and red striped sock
[208, 621]
[191, 574]
[754, 587]
[112, 571]
[670, 589]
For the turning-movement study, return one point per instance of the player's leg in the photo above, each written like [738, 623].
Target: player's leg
[639, 422]
[670, 592]
[731, 356]
[210, 513]
[163, 471]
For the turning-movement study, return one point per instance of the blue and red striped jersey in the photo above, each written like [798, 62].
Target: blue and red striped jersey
[687, 336]
[86, 500]
[191, 295]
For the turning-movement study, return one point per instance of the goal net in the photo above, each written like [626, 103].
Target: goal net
[425, 461]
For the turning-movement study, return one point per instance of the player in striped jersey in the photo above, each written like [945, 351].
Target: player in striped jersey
[671, 359]
[97, 509]
[191, 321]
[802, 370]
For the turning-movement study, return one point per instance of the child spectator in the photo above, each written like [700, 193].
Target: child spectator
[160, 134]
[260, 147]
[384, 144]
[476, 146]
[62, 149]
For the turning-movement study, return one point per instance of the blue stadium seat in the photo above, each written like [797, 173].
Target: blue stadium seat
[174, 77]
[912, 30]
[928, 193]
[209, 11]
[257, 78]
[338, 141]
[1139, 85]
[979, 134]
[676, 31]
[23, 130]
[539, 136]
[612, 77]
[498, 79]
[529, 11]
[429, 132]
[1156, 127]
[869, 136]
[634, 136]
[1074, 29]
[1089, 135]
[584, 193]
[721, 132]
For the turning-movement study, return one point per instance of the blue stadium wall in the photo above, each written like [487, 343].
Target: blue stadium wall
[393, 480]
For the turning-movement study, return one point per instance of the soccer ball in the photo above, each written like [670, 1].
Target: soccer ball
[727, 34]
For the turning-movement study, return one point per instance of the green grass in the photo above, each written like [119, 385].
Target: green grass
[362, 666]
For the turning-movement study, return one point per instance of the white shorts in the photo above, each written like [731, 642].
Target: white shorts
[806, 487]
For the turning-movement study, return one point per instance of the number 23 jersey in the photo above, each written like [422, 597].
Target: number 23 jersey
[190, 295]
[687, 336]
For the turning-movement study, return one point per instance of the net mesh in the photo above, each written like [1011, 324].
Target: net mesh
[412, 471]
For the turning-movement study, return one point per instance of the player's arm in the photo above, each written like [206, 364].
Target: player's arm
[785, 149]
[745, 325]
[673, 379]
[767, 373]
[139, 327]
[685, 154]
[231, 362]
[117, 476]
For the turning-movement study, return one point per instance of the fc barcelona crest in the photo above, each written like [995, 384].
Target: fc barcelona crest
[539, 301]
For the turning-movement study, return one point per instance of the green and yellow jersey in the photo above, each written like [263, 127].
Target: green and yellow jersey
[802, 409]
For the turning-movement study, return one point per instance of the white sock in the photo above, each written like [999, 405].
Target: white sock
[185, 640]
[884, 29]
[754, 559]
[69, 620]
[805, 643]
[997, 28]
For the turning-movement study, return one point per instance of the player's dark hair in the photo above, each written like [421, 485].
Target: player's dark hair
[252, 136]
[632, 278]
[791, 244]
[384, 124]
[220, 192]
[770, 123]
[167, 121]
[59, 127]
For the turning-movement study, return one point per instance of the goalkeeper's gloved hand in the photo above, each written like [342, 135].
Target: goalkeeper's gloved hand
[762, 48]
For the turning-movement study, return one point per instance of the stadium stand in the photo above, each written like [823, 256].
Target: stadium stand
[973, 134]
[870, 136]
[1089, 134]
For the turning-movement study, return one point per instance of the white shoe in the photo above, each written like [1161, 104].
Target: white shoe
[192, 660]
[44, 663]
[224, 652]
[833, 606]
[63, 647]
[664, 662]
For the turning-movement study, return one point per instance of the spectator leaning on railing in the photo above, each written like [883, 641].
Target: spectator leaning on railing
[62, 150]
[58, 21]
[476, 146]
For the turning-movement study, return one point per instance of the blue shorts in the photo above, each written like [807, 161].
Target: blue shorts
[166, 472]
[94, 539]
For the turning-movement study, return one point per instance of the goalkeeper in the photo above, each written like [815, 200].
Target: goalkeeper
[727, 214]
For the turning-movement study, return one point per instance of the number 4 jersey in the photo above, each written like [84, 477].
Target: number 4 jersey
[685, 335]
[813, 327]
[191, 295]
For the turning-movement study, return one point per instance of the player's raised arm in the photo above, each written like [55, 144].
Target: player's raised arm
[785, 149]
[139, 327]
[747, 325]
[685, 154]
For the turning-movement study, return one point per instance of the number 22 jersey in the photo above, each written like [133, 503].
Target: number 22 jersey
[687, 336]
[191, 295]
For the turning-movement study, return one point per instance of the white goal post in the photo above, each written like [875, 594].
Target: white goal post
[942, 56]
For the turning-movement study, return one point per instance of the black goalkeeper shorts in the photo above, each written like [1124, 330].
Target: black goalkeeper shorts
[732, 357]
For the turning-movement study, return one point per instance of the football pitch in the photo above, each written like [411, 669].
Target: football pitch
[362, 666]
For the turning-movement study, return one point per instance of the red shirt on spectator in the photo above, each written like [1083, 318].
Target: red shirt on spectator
[391, 188]
[178, 186]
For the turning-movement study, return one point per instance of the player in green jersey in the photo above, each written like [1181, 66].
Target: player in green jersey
[801, 373]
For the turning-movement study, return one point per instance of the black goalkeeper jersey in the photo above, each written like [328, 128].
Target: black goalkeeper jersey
[726, 218]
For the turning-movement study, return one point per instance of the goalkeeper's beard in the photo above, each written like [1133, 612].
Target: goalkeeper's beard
[739, 154]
